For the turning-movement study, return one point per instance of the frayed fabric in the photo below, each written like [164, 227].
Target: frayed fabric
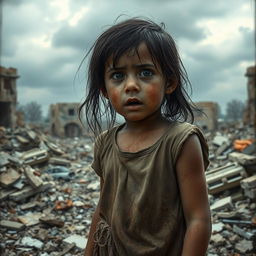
[103, 241]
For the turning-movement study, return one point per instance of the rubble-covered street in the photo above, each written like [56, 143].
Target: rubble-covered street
[48, 192]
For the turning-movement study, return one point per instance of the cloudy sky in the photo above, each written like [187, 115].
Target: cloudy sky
[46, 41]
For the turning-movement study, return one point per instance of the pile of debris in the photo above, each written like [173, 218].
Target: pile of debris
[231, 180]
[48, 193]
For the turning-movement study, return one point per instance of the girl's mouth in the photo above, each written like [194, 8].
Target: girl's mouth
[133, 102]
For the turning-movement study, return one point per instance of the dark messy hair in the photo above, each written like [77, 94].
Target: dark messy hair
[124, 37]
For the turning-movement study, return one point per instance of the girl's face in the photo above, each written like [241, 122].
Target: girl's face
[136, 86]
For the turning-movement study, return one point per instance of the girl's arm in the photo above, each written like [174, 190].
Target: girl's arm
[193, 189]
[95, 220]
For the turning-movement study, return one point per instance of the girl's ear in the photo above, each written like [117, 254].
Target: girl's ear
[104, 92]
[171, 86]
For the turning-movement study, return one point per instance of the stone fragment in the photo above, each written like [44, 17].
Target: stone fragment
[33, 180]
[217, 239]
[243, 159]
[59, 161]
[244, 246]
[249, 182]
[13, 225]
[79, 241]
[66, 250]
[4, 193]
[224, 203]
[35, 156]
[9, 177]
[28, 191]
[30, 219]
[28, 206]
[52, 221]
[217, 227]
[31, 242]
[246, 234]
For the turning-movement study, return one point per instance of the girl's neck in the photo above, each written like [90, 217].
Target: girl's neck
[146, 125]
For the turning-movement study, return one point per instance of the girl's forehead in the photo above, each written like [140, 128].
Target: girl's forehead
[140, 53]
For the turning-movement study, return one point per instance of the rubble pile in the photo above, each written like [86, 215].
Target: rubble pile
[231, 180]
[48, 193]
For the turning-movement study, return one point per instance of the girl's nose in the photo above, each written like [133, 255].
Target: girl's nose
[131, 84]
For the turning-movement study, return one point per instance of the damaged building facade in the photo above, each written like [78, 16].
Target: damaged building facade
[8, 96]
[64, 120]
[250, 113]
[208, 119]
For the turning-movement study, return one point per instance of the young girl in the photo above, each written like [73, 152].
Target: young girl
[153, 198]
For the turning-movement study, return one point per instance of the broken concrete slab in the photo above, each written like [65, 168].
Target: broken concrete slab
[59, 161]
[244, 246]
[243, 159]
[31, 242]
[79, 241]
[28, 191]
[35, 156]
[12, 225]
[249, 182]
[245, 234]
[9, 177]
[33, 180]
[224, 203]
[30, 219]
[52, 221]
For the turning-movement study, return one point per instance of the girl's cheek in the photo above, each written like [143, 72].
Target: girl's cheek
[114, 96]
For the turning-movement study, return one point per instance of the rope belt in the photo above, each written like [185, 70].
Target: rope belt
[103, 241]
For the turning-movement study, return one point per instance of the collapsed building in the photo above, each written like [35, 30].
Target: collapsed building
[8, 96]
[64, 121]
[208, 118]
[250, 112]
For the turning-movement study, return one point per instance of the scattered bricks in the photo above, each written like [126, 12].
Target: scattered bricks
[33, 180]
[12, 225]
[53, 147]
[242, 158]
[63, 205]
[243, 233]
[224, 203]
[52, 221]
[59, 161]
[217, 227]
[9, 177]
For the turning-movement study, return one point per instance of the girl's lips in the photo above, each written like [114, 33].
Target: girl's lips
[133, 102]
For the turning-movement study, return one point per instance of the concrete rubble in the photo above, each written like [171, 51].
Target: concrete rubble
[48, 216]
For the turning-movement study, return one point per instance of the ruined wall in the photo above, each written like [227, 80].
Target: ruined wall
[64, 120]
[209, 121]
[250, 113]
[8, 96]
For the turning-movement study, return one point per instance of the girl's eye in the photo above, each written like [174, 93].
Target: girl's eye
[146, 73]
[117, 76]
